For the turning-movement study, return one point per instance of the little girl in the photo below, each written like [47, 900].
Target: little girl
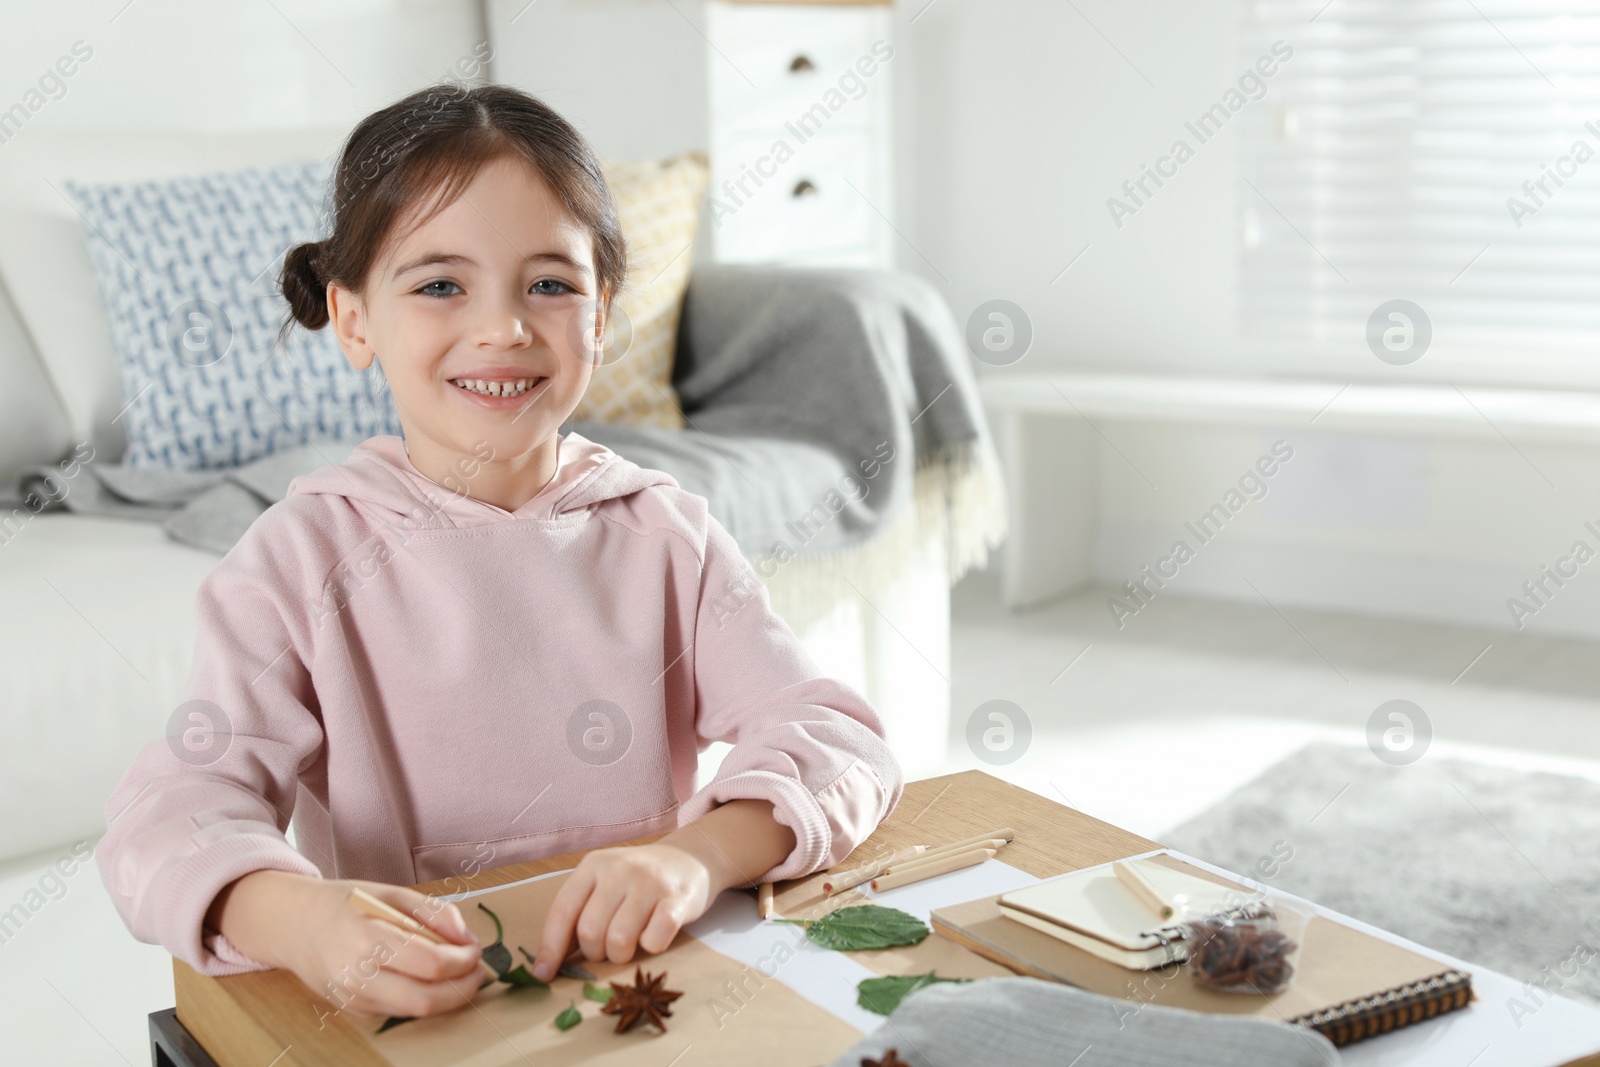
[482, 642]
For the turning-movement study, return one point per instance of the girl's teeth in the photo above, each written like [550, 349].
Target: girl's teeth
[488, 388]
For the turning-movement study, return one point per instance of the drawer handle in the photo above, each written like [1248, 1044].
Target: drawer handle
[801, 64]
[804, 188]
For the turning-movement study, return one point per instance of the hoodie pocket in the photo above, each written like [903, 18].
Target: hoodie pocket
[462, 859]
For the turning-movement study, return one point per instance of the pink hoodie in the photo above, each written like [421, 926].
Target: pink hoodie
[432, 685]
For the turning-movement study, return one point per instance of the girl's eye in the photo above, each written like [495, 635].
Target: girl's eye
[559, 287]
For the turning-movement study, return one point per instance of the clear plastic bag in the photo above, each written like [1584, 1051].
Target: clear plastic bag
[1251, 950]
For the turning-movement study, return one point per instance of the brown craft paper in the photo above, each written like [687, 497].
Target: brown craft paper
[506, 1027]
[1337, 963]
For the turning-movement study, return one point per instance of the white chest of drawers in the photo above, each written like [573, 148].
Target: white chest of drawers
[799, 109]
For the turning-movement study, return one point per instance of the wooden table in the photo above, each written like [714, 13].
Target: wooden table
[270, 1017]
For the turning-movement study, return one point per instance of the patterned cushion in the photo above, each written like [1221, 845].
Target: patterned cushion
[659, 205]
[187, 270]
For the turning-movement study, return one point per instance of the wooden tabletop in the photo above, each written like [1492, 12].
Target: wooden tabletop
[263, 1017]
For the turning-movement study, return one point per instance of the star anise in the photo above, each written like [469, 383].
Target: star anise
[891, 1058]
[644, 999]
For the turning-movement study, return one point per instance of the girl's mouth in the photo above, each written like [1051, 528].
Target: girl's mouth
[494, 393]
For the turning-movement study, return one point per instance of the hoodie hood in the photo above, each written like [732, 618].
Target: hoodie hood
[379, 477]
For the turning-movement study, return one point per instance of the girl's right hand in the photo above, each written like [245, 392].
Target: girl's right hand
[307, 926]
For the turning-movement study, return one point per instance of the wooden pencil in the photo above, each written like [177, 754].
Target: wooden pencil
[850, 879]
[1137, 884]
[917, 872]
[764, 900]
[916, 854]
[938, 854]
[379, 910]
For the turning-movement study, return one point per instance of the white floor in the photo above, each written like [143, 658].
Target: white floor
[1141, 727]
[1146, 726]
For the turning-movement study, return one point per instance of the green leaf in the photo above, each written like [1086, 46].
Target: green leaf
[883, 995]
[498, 957]
[597, 993]
[866, 926]
[522, 977]
[393, 1021]
[569, 1018]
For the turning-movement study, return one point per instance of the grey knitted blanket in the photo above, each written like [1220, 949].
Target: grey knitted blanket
[790, 379]
[1028, 1022]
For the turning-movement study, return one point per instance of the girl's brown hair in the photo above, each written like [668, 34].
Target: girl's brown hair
[437, 139]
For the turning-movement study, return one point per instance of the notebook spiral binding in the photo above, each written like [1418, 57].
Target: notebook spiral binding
[1382, 1012]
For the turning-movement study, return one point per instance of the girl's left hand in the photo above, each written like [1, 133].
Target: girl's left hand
[622, 898]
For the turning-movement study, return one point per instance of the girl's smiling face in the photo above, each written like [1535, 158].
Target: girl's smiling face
[499, 287]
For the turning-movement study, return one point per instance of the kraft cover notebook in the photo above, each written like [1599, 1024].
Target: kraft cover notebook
[1349, 985]
[1093, 910]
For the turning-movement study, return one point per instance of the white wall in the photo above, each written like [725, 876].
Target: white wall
[1026, 121]
[198, 65]
[1021, 120]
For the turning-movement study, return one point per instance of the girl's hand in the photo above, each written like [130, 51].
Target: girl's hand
[621, 898]
[305, 925]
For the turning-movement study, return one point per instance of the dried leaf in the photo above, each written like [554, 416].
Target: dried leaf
[569, 1018]
[394, 1020]
[498, 957]
[499, 931]
[864, 926]
[883, 995]
[572, 970]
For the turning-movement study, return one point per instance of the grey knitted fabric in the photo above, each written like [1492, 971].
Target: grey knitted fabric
[1029, 1022]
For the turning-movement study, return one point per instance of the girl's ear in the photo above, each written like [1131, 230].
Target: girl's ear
[347, 317]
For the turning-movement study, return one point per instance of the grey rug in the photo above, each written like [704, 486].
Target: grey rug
[1495, 866]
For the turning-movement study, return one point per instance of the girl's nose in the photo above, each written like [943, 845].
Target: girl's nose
[505, 328]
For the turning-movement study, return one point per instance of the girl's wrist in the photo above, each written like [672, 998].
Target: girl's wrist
[720, 874]
[737, 842]
[248, 909]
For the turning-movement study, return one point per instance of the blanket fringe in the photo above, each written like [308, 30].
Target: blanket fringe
[959, 507]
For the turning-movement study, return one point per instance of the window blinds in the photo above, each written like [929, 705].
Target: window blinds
[1445, 152]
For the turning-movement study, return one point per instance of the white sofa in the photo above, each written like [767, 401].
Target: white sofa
[99, 627]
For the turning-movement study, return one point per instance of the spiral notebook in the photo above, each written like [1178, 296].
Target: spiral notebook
[1350, 985]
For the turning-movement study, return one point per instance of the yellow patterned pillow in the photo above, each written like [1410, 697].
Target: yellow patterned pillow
[658, 204]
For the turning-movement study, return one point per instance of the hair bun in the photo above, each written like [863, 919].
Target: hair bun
[304, 285]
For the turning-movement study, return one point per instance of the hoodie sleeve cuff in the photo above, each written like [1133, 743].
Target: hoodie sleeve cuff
[827, 826]
[188, 885]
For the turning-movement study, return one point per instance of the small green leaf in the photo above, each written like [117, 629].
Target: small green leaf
[865, 926]
[569, 1018]
[883, 995]
[522, 977]
[597, 993]
[394, 1020]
